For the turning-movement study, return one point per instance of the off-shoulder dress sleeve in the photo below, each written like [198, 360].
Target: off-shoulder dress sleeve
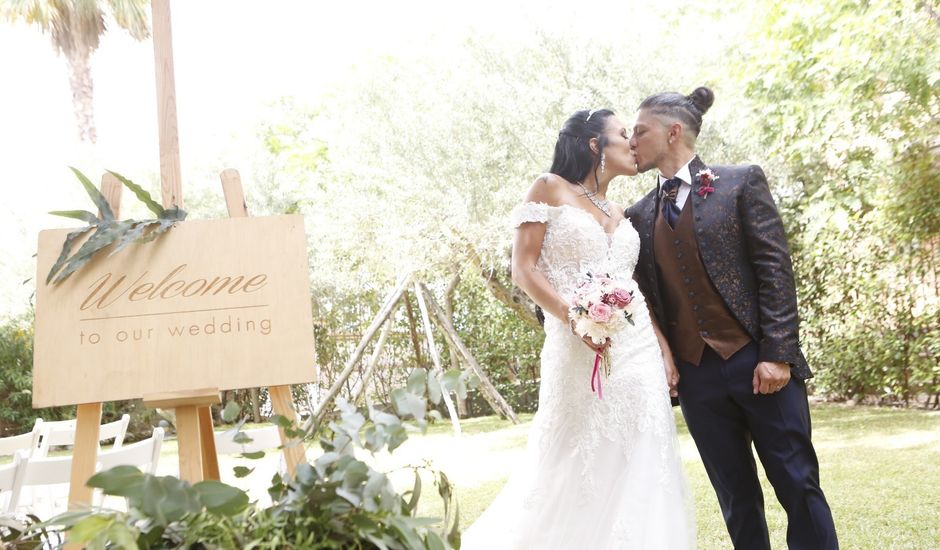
[529, 212]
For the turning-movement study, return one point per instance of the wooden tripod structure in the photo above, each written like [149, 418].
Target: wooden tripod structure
[430, 310]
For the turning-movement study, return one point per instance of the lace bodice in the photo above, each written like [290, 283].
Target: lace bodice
[575, 243]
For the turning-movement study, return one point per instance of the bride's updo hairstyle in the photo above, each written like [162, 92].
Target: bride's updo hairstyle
[685, 109]
[573, 158]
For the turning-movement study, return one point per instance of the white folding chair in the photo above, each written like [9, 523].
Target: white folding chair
[45, 471]
[40, 472]
[143, 454]
[62, 433]
[11, 479]
[23, 442]
[116, 430]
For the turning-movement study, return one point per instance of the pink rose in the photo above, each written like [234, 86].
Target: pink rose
[620, 298]
[600, 313]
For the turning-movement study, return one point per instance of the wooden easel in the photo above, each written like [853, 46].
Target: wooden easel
[197, 454]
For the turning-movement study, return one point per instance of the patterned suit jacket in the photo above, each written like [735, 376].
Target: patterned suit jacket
[744, 249]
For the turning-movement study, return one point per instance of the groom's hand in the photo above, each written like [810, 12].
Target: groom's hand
[770, 377]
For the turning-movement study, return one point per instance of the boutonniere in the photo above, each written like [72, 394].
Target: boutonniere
[706, 180]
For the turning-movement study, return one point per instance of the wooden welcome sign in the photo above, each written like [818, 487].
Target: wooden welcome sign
[210, 304]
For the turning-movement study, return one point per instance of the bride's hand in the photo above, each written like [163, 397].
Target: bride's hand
[596, 348]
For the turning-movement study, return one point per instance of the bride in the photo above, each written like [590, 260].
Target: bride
[599, 473]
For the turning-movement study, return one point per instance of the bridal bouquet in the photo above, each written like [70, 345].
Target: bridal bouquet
[600, 308]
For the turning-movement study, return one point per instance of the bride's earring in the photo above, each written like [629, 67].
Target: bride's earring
[603, 166]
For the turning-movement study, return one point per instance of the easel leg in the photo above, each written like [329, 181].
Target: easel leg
[85, 453]
[283, 405]
[210, 460]
[187, 435]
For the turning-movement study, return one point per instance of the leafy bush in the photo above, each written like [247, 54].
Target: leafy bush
[337, 502]
[16, 379]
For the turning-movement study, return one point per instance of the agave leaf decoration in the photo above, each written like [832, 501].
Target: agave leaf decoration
[106, 230]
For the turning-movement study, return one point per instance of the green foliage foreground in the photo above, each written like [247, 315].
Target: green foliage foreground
[337, 502]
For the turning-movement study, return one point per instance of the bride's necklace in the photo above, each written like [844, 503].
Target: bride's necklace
[602, 205]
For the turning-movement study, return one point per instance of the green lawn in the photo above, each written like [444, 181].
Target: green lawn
[880, 471]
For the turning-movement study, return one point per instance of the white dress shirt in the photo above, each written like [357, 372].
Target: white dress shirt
[684, 188]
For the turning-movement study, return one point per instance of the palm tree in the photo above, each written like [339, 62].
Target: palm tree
[75, 27]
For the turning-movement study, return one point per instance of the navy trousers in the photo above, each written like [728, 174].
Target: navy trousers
[725, 417]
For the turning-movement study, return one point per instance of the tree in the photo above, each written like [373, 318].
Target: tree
[414, 162]
[850, 101]
[76, 27]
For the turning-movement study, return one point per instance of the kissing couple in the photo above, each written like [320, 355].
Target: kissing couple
[713, 321]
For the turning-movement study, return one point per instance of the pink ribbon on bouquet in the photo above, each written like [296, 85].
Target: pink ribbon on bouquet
[596, 376]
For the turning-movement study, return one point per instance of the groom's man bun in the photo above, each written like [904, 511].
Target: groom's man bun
[702, 98]
[672, 107]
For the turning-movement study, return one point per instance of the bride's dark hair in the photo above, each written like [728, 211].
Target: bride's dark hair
[687, 109]
[573, 158]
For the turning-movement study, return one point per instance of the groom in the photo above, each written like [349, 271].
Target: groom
[715, 269]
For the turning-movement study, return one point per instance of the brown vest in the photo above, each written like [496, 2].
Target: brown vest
[695, 311]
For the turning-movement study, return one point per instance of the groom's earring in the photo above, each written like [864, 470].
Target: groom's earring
[603, 165]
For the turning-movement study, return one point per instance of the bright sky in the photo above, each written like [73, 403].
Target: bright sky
[233, 58]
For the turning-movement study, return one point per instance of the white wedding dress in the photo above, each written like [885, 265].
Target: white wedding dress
[598, 473]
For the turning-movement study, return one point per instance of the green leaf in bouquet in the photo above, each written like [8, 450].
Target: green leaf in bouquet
[254, 455]
[242, 471]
